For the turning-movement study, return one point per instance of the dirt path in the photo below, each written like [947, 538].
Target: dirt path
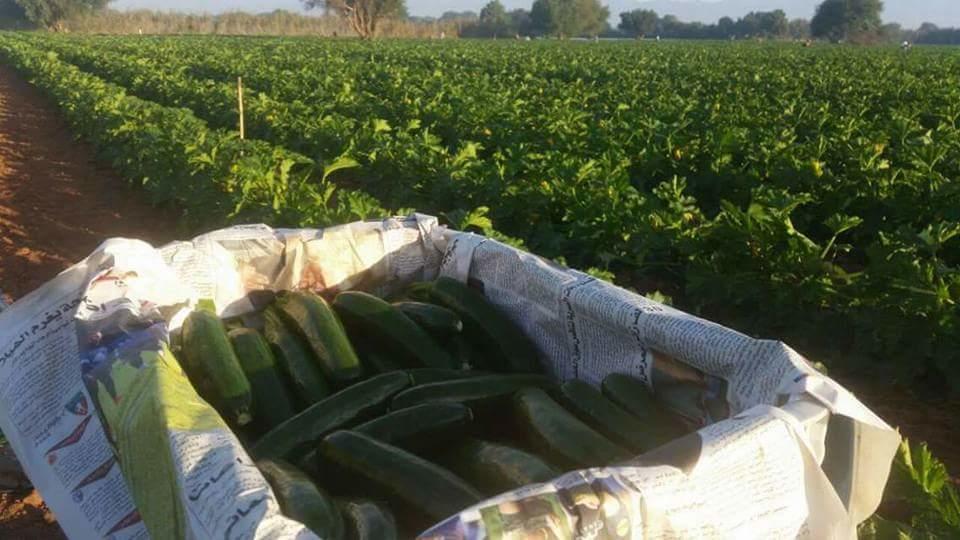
[56, 206]
[56, 203]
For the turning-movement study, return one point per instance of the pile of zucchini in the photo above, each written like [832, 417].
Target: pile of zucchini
[373, 419]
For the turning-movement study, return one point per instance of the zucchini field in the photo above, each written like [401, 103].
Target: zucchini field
[805, 194]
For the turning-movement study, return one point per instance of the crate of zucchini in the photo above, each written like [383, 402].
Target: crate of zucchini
[397, 378]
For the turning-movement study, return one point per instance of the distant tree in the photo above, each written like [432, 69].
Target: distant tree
[770, 24]
[748, 25]
[864, 15]
[593, 16]
[639, 22]
[798, 28]
[892, 32]
[931, 34]
[11, 12]
[520, 22]
[846, 19]
[726, 27]
[494, 19]
[569, 17]
[459, 16]
[829, 20]
[362, 14]
[51, 13]
[545, 17]
[773, 23]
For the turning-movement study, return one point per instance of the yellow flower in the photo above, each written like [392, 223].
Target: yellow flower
[817, 167]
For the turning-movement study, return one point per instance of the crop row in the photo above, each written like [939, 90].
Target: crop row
[210, 174]
[810, 191]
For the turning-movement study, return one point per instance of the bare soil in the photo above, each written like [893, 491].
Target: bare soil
[935, 421]
[24, 516]
[57, 204]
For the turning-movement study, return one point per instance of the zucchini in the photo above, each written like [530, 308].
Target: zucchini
[377, 362]
[495, 468]
[315, 321]
[431, 375]
[437, 321]
[272, 404]
[464, 354]
[590, 405]
[419, 427]
[635, 397]
[503, 344]
[373, 320]
[551, 431]
[422, 492]
[419, 291]
[367, 520]
[295, 359]
[300, 499]
[213, 367]
[293, 438]
[471, 391]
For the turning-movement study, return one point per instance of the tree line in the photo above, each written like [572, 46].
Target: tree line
[47, 13]
[766, 24]
[835, 20]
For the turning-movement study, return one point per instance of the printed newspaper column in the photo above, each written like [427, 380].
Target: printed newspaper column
[52, 423]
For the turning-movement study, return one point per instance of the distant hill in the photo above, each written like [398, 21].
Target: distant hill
[909, 13]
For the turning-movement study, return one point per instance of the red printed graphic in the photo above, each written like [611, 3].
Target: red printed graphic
[73, 438]
[98, 473]
[130, 519]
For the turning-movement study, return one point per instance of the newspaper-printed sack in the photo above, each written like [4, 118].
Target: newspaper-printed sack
[120, 446]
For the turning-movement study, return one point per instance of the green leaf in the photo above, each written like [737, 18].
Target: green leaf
[342, 162]
[840, 223]
[380, 125]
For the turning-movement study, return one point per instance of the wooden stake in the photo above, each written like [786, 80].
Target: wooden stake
[240, 106]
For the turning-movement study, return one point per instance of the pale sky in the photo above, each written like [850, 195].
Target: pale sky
[910, 13]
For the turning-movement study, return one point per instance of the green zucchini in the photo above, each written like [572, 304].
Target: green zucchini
[422, 492]
[295, 359]
[439, 322]
[378, 362]
[503, 344]
[272, 404]
[471, 391]
[367, 520]
[634, 396]
[431, 375]
[465, 356]
[176, 341]
[419, 291]
[551, 431]
[315, 321]
[300, 499]
[419, 427]
[372, 319]
[495, 468]
[590, 405]
[213, 367]
[352, 405]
